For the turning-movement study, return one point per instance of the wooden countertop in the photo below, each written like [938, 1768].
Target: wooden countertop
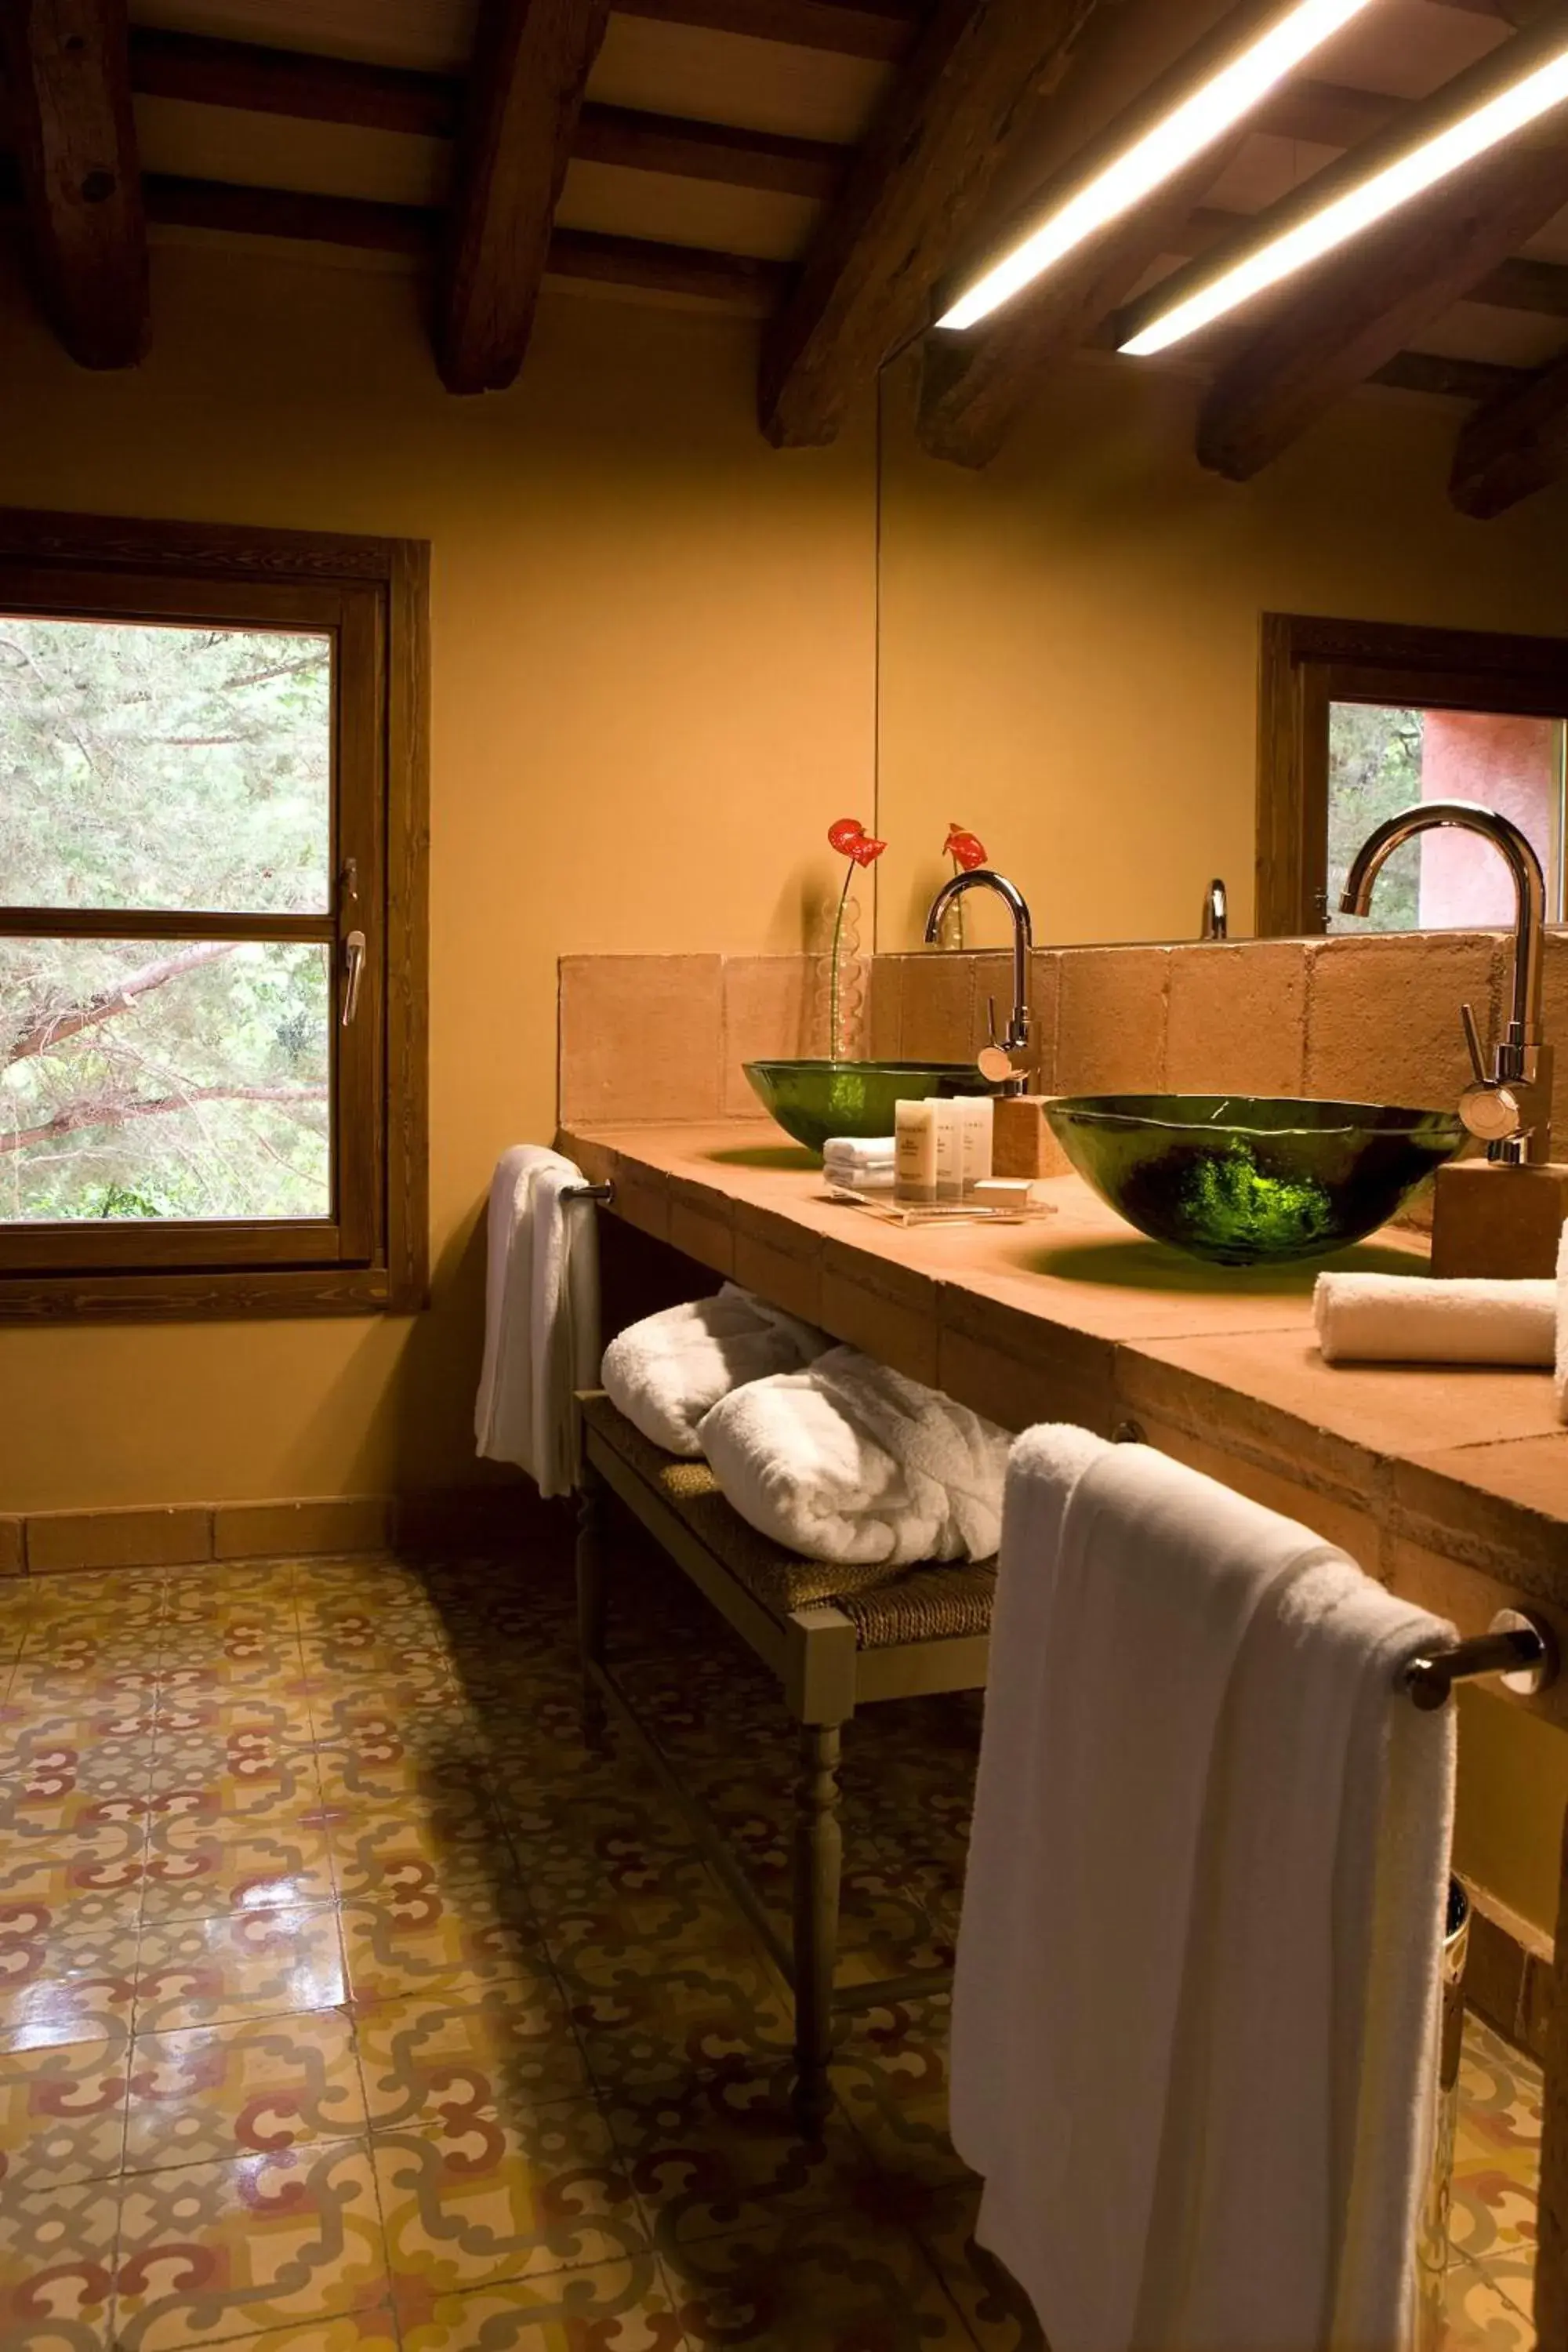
[1451, 1483]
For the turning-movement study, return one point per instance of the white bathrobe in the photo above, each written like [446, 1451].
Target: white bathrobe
[667, 1371]
[849, 1462]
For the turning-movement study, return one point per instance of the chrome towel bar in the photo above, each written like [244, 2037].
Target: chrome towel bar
[603, 1193]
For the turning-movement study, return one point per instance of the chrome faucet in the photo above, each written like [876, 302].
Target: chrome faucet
[1216, 911]
[1015, 1038]
[1508, 1107]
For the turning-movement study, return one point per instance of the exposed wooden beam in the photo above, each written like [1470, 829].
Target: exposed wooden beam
[953, 120]
[69, 98]
[1326, 114]
[706, 151]
[883, 30]
[292, 83]
[732, 281]
[531, 62]
[1516, 445]
[256, 81]
[1335, 326]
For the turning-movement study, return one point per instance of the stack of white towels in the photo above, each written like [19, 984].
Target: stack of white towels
[860, 1163]
[1394, 1318]
[816, 1446]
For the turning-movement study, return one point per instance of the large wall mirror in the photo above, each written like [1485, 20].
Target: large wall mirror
[1107, 666]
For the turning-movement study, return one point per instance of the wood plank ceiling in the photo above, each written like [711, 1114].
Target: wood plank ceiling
[823, 165]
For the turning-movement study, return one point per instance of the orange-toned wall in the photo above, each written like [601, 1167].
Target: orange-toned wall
[1070, 638]
[653, 654]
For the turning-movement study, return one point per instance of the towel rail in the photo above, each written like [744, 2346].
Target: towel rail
[603, 1193]
[1518, 1645]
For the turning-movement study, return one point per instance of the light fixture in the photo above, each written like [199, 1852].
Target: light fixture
[1176, 141]
[1486, 125]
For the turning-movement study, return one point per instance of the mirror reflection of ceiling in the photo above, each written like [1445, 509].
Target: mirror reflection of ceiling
[1069, 637]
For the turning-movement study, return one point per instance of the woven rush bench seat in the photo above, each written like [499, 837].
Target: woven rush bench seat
[836, 1637]
[932, 1601]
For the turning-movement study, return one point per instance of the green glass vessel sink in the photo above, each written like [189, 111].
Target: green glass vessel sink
[1245, 1181]
[812, 1100]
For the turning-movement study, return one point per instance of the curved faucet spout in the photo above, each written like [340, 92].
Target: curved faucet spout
[1509, 1106]
[1528, 887]
[980, 878]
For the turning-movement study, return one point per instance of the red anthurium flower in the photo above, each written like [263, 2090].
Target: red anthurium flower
[849, 837]
[966, 849]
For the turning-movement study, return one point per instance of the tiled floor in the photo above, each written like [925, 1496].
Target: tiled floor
[348, 2000]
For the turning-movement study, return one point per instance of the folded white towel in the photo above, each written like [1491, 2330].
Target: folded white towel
[1202, 1918]
[1405, 1318]
[542, 1318]
[849, 1462]
[665, 1372]
[1561, 1374]
[859, 1151]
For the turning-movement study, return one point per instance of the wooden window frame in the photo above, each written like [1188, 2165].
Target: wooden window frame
[373, 595]
[1307, 663]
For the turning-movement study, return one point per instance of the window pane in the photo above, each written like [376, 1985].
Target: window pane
[186, 768]
[164, 1079]
[1383, 758]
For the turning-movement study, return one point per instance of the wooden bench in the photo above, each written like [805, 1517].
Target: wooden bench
[835, 1638]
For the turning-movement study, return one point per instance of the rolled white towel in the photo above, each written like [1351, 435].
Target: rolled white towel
[1562, 1375]
[1407, 1319]
[665, 1372]
[849, 1462]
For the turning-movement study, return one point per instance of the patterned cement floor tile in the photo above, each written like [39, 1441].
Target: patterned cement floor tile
[479, 2202]
[610, 2308]
[57, 2269]
[995, 2310]
[816, 2284]
[498, 2054]
[62, 2114]
[245, 1964]
[427, 1937]
[714, 2012]
[450, 1834]
[718, 2152]
[211, 2251]
[58, 1988]
[230, 2090]
[890, 2075]
[201, 1866]
[1479, 2318]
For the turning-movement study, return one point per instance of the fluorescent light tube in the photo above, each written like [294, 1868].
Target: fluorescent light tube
[1446, 152]
[1160, 155]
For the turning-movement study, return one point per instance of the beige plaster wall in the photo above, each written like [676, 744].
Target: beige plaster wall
[1068, 644]
[653, 658]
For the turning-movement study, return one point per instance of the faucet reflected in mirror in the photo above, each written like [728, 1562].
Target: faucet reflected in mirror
[1216, 926]
[1507, 1107]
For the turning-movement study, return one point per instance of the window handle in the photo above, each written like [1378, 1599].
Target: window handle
[354, 948]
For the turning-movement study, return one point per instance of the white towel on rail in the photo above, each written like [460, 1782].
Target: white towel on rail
[1203, 1918]
[1399, 1319]
[665, 1372]
[542, 1318]
[849, 1462]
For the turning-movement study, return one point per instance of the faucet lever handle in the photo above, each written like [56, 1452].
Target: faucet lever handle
[1473, 1040]
[990, 1021]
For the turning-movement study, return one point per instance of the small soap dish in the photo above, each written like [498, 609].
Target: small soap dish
[942, 1213]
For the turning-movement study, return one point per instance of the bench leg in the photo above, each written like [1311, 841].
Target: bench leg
[818, 1860]
[590, 1568]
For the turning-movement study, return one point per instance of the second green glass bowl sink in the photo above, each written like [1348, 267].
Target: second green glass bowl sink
[1244, 1180]
[812, 1100]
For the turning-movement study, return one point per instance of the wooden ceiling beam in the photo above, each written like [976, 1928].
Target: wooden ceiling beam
[1514, 445]
[1335, 325]
[531, 61]
[68, 90]
[255, 81]
[732, 281]
[958, 115]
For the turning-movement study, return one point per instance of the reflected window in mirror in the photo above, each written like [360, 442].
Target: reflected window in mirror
[1360, 719]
